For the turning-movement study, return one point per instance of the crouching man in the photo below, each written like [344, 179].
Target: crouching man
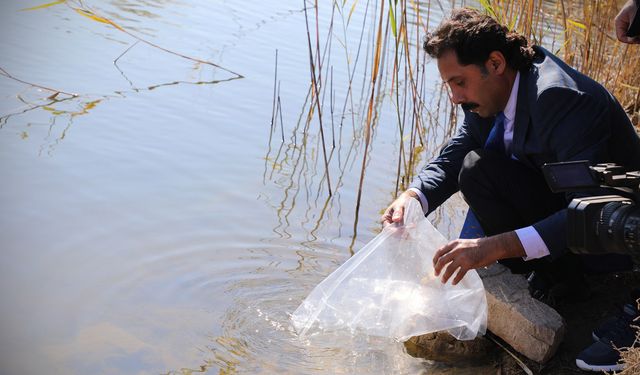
[523, 107]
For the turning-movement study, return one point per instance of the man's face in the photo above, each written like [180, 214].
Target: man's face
[475, 89]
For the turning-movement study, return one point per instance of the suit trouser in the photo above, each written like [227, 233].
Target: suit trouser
[506, 195]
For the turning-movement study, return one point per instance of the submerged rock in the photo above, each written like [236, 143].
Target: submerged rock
[442, 347]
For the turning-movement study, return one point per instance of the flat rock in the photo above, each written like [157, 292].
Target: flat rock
[531, 327]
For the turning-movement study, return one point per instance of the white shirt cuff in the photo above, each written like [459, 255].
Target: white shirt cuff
[422, 198]
[532, 243]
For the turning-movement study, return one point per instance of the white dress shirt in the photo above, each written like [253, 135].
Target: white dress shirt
[531, 241]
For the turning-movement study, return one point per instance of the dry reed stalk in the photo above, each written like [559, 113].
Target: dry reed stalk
[85, 11]
[417, 102]
[55, 92]
[368, 122]
[314, 84]
[631, 356]
[586, 40]
[589, 42]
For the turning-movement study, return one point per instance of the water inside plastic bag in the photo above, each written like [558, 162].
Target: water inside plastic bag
[389, 289]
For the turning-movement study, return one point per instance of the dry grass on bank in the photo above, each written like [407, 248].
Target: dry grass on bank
[386, 66]
[582, 34]
[631, 357]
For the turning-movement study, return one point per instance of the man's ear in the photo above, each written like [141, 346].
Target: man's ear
[496, 63]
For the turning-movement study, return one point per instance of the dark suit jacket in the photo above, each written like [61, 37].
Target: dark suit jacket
[561, 115]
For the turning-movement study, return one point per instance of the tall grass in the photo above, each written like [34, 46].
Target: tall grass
[582, 34]
[389, 58]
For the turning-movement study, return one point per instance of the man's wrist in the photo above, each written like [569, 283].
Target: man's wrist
[513, 246]
[505, 245]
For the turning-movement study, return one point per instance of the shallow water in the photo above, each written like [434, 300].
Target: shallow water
[155, 223]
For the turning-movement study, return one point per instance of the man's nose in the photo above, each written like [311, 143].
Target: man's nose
[456, 96]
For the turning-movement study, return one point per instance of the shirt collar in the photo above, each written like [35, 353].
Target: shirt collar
[510, 109]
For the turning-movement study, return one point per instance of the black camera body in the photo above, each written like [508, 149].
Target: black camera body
[599, 224]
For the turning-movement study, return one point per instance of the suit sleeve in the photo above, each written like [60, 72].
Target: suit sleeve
[576, 127]
[438, 180]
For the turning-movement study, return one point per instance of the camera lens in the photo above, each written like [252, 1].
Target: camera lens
[619, 227]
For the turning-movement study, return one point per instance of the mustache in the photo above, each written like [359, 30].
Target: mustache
[469, 106]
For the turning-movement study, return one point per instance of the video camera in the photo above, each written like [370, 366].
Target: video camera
[599, 224]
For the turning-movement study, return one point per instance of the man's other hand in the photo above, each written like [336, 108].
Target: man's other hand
[395, 212]
[466, 254]
[623, 20]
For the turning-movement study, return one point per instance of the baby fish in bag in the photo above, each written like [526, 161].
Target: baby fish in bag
[389, 289]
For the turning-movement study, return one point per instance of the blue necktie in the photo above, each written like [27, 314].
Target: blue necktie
[495, 142]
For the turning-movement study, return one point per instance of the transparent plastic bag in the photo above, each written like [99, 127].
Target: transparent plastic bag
[389, 289]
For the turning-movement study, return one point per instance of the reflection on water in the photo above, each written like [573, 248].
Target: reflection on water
[162, 221]
[339, 140]
[63, 106]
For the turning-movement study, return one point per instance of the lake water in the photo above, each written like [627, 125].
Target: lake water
[157, 222]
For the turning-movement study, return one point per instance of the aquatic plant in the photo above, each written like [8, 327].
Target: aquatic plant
[394, 71]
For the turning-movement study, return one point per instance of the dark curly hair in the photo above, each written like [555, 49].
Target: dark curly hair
[473, 36]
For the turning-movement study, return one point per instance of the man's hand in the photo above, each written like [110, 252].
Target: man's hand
[466, 254]
[623, 20]
[395, 212]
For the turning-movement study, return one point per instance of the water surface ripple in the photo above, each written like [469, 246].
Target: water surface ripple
[155, 223]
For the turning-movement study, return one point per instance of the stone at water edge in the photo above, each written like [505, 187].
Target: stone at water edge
[531, 327]
[442, 347]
